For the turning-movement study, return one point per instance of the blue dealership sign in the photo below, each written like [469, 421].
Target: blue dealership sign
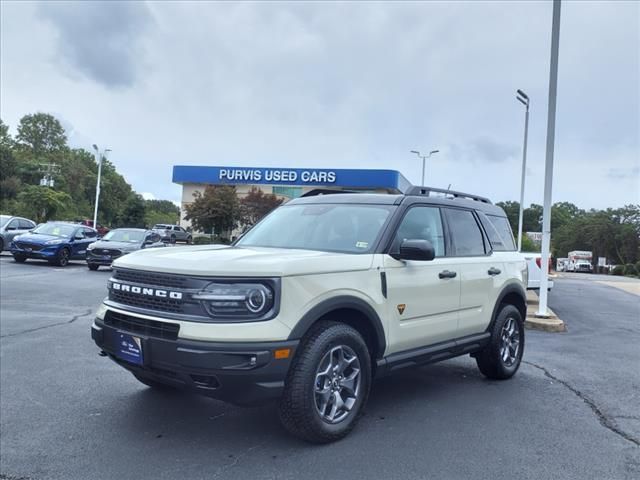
[317, 177]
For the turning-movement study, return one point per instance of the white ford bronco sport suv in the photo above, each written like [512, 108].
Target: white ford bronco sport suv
[321, 296]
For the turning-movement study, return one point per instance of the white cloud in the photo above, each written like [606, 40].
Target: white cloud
[338, 85]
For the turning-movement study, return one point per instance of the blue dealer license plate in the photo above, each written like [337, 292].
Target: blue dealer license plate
[129, 348]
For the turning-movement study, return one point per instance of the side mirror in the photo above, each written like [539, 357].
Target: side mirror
[416, 250]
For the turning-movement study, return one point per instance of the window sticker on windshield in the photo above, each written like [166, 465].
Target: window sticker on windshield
[56, 231]
[362, 244]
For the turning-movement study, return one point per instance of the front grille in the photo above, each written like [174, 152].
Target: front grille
[150, 278]
[142, 326]
[143, 301]
[106, 251]
[30, 246]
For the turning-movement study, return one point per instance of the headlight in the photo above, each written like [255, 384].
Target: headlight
[56, 242]
[238, 301]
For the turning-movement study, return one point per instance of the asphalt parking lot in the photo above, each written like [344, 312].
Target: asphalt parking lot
[571, 412]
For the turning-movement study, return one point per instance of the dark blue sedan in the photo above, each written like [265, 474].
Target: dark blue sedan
[56, 242]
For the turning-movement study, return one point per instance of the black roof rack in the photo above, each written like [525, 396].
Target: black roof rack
[428, 190]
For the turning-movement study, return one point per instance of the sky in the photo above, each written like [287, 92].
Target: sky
[337, 85]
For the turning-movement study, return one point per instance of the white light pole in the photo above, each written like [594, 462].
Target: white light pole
[424, 157]
[524, 99]
[99, 158]
[548, 167]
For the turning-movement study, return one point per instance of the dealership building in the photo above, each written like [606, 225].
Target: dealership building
[285, 183]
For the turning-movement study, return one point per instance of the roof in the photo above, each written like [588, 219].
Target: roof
[385, 199]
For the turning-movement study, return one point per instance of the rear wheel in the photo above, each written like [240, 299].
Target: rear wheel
[19, 258]
[173, 239]
[189, 240]
[501, 358]
[93, 266]
[328, 384]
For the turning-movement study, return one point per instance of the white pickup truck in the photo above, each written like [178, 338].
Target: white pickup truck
[534, 265]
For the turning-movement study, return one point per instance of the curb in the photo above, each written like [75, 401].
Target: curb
[548, 323]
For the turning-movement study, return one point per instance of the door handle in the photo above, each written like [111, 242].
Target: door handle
[447, 274]
[494, 271]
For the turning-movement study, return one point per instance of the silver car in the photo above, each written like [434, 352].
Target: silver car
[172, 233]
[11, 227]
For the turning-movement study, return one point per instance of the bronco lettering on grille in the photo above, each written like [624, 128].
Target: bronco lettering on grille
[150, 292]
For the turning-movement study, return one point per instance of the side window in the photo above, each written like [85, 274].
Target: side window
[177, 229]
[79, 234]
[422, 223]
[88, 233]
[26, 224]
[14, 224]
[466, 235]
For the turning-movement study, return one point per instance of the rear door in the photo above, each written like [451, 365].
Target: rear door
[423, 297]
[13, 229]
[481, 272]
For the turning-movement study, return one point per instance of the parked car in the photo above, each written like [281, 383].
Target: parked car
[102, 231]
[119, 242]
[172, 233]
[10, 227]
[317, 299]
[534, 267]
[56, 242]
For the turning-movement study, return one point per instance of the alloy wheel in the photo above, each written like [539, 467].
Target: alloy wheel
[510, 342]
[337, 384]
[64, 257]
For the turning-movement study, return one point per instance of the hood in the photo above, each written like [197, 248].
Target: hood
[218, 260]
[37, 238]
[124, 246]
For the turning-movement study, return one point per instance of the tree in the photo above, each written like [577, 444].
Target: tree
[532, 218]
[160, 211]
[42, 133]
[256, 205]
[42, 203]
[217, 210]
[133, 213]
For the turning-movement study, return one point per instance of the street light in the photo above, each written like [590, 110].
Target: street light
[423, 157]
[524, 99]
[99, 158]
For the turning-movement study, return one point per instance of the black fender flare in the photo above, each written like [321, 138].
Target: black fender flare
[338, 303]
[509, 289]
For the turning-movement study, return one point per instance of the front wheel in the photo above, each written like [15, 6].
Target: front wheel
[173, 239]
[501, 358]
[62, 259]
[19, 258]
[328, 384]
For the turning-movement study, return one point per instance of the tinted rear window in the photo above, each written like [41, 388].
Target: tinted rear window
[499, 232]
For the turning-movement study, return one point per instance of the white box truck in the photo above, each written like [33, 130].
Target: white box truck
[580, 261]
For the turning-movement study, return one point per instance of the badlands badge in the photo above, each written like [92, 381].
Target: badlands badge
[401, 307]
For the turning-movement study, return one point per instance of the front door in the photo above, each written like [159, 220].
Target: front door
[423, 297]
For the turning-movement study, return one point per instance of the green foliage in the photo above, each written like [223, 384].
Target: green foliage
[210, 240]
[256, 204]
[41, 141]
[216, 210]
[630, 269]
[42, 203]
[618, 270]
[638, 267]
[529, 245]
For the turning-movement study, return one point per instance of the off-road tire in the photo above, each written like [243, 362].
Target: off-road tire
[18, 258]
[489, 359]
[93, 266]
[297, 409]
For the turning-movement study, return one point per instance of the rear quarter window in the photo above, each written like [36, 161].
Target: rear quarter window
[499, 232]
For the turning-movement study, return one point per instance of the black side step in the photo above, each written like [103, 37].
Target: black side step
[432, 353]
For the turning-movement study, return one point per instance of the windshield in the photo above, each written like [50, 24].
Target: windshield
[4, 219]
[161, 227]
[344, 228]
[121, 235]
[56, 229]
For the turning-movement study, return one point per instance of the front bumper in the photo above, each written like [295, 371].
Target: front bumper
[239, 373]
[96, 259]
[45, 253]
